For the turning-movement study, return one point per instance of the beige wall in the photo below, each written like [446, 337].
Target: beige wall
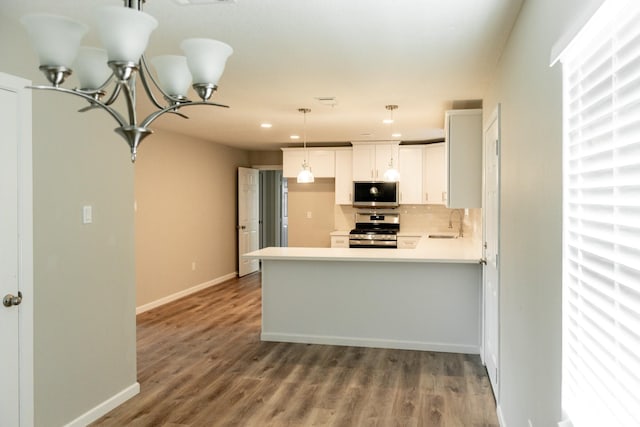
[185, 191]
[84, 289]
[265, 158]
[317, 199]
[530, 93]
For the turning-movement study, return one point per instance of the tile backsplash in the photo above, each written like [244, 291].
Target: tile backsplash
[420, 218]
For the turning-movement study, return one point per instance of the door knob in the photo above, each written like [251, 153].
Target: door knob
[10, 300]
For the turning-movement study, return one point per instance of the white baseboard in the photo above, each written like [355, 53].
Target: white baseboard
[106, 406]
[185, 292]
[370, 342]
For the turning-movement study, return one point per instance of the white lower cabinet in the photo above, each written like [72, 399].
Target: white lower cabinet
[340, 241]
[408, 242]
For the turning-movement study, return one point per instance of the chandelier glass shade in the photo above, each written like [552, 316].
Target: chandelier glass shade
[91, 67]
[124, 33]
[173, 73]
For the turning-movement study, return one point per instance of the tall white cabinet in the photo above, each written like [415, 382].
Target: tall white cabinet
[463, 141]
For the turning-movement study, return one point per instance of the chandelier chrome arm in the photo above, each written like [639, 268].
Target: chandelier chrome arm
[170, 109]
[87, 96]
[132, 132]
[144, 71]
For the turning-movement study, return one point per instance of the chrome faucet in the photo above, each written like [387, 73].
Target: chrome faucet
[460, 215]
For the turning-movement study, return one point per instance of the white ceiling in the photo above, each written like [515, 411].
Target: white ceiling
[426, 56]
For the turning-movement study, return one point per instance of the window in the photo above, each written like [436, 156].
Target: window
[601, 242]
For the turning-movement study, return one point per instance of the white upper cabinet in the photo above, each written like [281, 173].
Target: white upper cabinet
[363, 162]
[371, 159]
[463, 139]
[321, 162]
[434, 176]
[411, 174]
[344, 176]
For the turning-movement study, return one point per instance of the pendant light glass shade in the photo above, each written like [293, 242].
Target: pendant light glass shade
[55, 38]
[391, 174]
[206, 59]
[305, 176]
[173, 74]
[91, 67]
[124, 32]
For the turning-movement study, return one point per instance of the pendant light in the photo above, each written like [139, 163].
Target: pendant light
[305, 176]
[391, 174]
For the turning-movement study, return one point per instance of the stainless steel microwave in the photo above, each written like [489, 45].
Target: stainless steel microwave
[367, 194]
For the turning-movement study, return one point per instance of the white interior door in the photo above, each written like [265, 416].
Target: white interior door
[248, 218]
[16, 324]
[491, 221]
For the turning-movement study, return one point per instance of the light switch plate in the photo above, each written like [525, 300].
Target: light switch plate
[87, 214]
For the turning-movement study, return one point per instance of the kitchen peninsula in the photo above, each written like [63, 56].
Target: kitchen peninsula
[427, 298]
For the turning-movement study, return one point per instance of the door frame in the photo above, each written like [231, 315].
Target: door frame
[243, 223]
[25, 245]
[494, 118]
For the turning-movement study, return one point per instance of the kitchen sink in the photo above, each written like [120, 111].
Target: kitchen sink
[443, 236]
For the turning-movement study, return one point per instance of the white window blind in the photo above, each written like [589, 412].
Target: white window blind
[601, 283]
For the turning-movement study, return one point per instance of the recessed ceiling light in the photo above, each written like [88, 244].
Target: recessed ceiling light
[295, 137]
[387, 121]
[396, 135]
[266, 125]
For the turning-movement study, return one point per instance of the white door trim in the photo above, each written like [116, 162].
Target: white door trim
[25, 244]
[493, 256]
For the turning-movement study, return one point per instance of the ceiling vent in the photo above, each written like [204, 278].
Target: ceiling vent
[330, 101]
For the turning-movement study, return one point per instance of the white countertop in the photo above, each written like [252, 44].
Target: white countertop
[461, 250]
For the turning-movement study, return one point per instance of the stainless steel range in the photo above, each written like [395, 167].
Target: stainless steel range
[375, 229]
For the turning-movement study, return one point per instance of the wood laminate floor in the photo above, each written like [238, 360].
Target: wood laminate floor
[201, 363]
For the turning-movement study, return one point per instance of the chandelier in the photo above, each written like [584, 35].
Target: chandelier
[124, 33]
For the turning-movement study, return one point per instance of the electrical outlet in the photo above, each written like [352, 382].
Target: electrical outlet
[309, 215]
[193, 266]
